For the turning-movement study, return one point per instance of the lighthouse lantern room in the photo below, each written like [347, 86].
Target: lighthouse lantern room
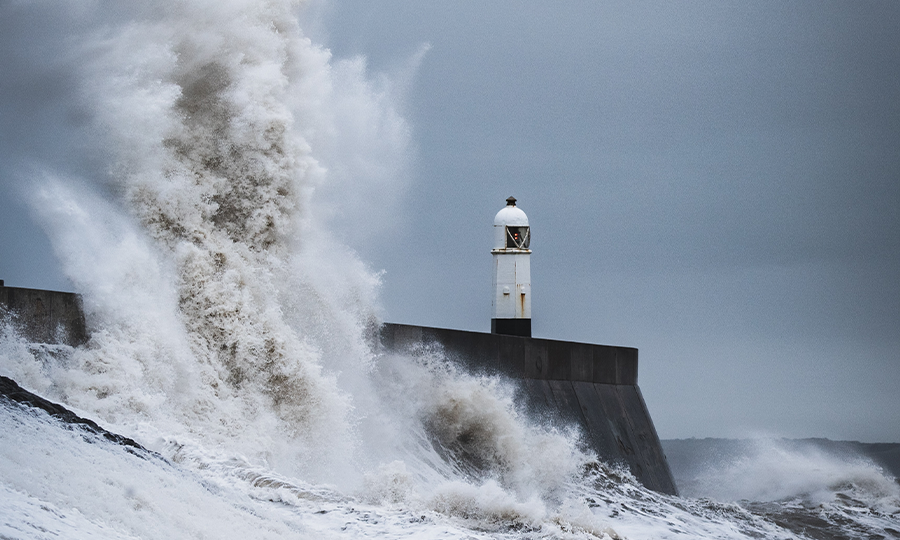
[512, 272]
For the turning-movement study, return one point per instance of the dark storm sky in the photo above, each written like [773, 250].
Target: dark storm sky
[714, 183]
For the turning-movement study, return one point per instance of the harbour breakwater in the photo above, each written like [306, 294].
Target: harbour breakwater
[593, 387]
[41, 316]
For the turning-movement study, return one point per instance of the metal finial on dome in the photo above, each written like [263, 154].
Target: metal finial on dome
[511, 201]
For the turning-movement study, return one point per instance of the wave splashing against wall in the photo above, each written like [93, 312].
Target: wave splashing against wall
[193, 254]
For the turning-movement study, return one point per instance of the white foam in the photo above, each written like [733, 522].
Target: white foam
[768, 469]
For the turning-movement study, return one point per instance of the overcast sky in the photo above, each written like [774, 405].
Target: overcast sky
[714, 183]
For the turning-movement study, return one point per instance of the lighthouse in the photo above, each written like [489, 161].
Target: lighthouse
[511, 312]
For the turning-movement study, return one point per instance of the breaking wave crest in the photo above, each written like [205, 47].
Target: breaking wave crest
[766, 469]
[204, 234]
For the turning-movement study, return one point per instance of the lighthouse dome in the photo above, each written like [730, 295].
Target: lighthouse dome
[511, 230]
[511, 215]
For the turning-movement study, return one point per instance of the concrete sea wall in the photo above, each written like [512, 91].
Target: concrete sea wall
[591, 386]
[44, 316]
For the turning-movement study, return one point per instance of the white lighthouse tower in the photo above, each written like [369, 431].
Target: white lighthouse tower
[512, 272]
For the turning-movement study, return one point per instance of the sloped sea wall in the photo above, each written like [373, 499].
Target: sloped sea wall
[592, 386]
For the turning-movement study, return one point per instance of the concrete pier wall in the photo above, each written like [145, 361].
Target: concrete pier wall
[44, 316]
[591, 386]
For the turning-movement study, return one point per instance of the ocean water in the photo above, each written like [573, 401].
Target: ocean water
[232, 334]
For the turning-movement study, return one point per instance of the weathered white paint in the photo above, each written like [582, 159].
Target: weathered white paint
[512, 268]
